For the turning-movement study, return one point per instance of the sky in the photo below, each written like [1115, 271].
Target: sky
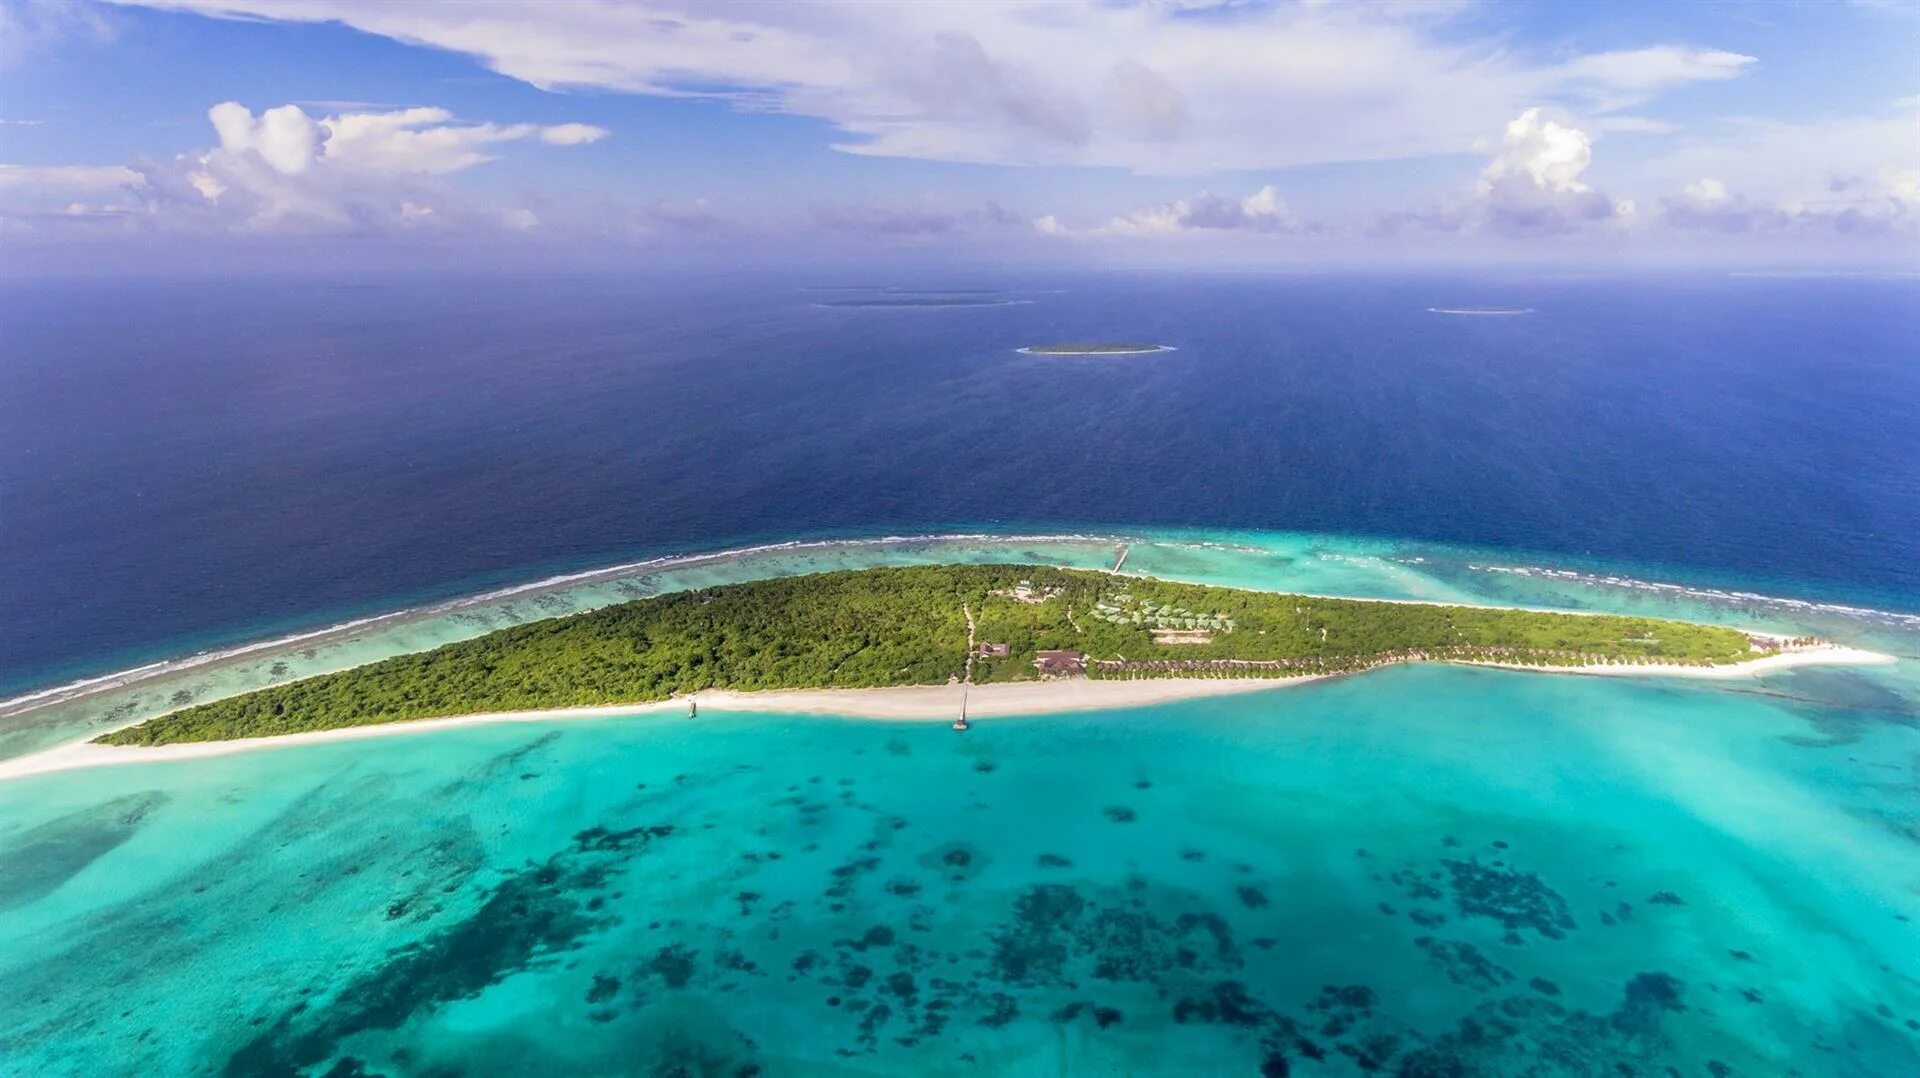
[284, 133]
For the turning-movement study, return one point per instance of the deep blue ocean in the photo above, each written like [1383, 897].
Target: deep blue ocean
[186, 464]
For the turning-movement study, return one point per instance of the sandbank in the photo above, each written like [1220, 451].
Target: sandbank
[1065, 352]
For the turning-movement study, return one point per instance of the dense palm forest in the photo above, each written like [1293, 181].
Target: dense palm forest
[909, 626]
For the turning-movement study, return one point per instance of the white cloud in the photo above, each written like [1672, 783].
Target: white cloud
[69, 179]
[402, 140]
[1708, 205]
[1853, 170]
[1885, 205]
[285, 171]
[1656, 67]
[1708, 192]
[72, 190]
[1151, 87]
[1533, 184]
[926, 218]
[572, 134]
[1262, 211]
[27, 26]
[286, 138]
[1538, 153]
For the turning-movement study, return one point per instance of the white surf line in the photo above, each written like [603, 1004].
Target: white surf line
[1747, 598]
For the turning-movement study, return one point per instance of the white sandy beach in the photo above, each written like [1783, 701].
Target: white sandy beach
[919, 703]
[905, 703]
[1827, 655]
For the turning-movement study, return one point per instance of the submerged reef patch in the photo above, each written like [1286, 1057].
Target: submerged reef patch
[36, 862]
[534, 914]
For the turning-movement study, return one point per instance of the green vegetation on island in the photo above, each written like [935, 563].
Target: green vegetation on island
[909, 626]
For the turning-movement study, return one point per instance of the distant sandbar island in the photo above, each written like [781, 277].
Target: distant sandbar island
[1480, 310]
[1093, 348]
[916, 300]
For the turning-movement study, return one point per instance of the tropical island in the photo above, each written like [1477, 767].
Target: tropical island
[974, 625]
[1480, 310]
[1093, 348]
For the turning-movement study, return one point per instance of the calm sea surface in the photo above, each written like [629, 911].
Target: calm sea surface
[1420, 871]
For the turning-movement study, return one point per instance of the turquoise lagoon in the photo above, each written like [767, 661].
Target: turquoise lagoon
[1420, 871]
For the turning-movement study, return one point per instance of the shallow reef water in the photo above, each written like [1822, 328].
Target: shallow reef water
[1425, 871]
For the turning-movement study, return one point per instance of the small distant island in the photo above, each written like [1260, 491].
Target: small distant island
[1480, 310]
[920, 301]
[951, 625]
[1094, 348]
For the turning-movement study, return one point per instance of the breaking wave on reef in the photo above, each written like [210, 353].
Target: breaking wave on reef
[1778, 603]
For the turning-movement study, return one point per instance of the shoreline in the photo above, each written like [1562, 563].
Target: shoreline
[1039, 350]
[906, 703]
[903, 703]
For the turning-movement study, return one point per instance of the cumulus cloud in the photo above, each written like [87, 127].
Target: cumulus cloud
[1855, 205]
[1853, 176]
[286, 138]
[1707, 204]
[1857, 174]
[1150, 87]
[284, 170]
[1262, 211]
[402, 140]
[1533, 184]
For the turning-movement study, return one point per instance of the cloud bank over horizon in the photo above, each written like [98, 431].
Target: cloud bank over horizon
[1072, 128]
[1176, 89]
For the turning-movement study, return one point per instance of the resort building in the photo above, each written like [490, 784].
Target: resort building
[993, 651]
[1060, 663]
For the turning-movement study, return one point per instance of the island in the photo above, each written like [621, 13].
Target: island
[1480, 310]
[1093, 348]
[941, 625]
[921, 301]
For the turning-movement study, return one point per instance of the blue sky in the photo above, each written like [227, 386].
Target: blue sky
[1191, 132]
